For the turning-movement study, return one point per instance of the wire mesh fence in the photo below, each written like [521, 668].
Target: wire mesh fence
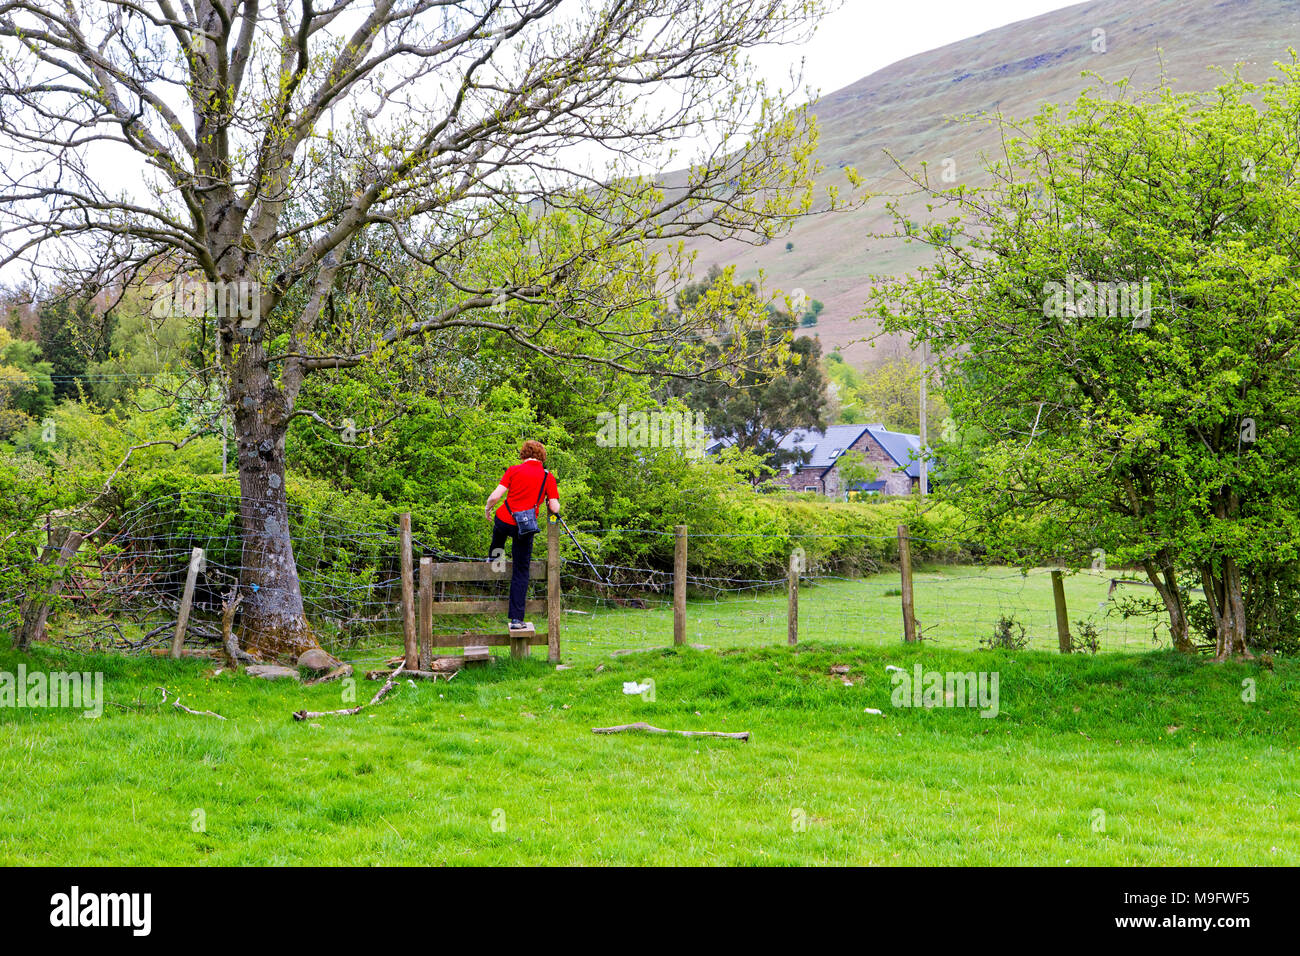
[957, 605]
[124, 590]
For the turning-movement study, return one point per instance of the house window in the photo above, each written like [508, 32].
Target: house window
[810, 488]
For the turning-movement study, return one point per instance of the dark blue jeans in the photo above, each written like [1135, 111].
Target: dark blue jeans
[521, 554]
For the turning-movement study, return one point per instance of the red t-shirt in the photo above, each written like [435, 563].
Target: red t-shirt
[524, 484]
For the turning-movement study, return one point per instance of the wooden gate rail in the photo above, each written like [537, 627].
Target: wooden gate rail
[519, 642]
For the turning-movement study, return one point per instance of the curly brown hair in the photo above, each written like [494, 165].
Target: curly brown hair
[533, 449]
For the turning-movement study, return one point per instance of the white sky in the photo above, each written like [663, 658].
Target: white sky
[865, 35]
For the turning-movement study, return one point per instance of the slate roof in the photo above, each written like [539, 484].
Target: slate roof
[800, 440]
[825, 448]
[899, 446]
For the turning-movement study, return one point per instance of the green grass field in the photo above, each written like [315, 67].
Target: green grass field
[1120, 758]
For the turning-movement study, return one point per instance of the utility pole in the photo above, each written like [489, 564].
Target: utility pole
[925, 374]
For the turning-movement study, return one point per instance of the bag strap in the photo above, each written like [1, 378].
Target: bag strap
[542, 494]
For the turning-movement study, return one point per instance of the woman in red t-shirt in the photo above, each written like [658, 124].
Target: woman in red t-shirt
[523, 487]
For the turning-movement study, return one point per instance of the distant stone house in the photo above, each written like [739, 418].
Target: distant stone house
[892, 453]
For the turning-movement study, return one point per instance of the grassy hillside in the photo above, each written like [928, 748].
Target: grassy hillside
[908, 109]
[1114, 759]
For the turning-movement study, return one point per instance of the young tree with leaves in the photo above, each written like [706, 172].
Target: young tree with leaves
[1117, 318]
[754, 403]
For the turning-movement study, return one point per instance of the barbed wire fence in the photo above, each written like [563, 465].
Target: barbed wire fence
[124, 590]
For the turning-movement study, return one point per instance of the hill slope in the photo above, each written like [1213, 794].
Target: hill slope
[909, 109]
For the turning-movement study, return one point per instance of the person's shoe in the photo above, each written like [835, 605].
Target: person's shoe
[518, 625]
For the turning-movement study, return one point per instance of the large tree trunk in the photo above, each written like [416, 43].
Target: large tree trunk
[1166, 583]
[1227, 609]
[1223, 591]
[274, 624]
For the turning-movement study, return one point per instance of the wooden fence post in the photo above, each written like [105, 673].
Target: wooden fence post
[1062, 616]
[408, 595]
[905, 566]
[187, 601]
[36, 610]
[679, 586]
[426, 614]
[792, 623]
[553, 609]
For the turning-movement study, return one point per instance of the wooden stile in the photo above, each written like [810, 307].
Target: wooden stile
[475, 644]
[500, 638]
[466, 571]
[520, 639]
[490, 606]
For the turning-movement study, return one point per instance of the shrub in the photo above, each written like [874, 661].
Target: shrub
[1008, 635]
[1086, 637]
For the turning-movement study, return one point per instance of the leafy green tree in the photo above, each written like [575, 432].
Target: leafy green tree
[26, 389]
[888, 393]
[757, 404]
[809, 318]
[142, 348]
[854, 470]
[28, 493]
[15, 384]
[71, 336]
[1116, 318]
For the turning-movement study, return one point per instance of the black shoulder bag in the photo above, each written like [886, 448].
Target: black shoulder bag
[526, 521]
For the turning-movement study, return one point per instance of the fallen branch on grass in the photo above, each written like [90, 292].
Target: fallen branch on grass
[440, 663]
[343, 670]
[383, 692]
[179, 706]
[206, 653]
[422, 675]
[743, 735]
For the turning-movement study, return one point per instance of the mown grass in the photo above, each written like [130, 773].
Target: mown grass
[499, 766]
